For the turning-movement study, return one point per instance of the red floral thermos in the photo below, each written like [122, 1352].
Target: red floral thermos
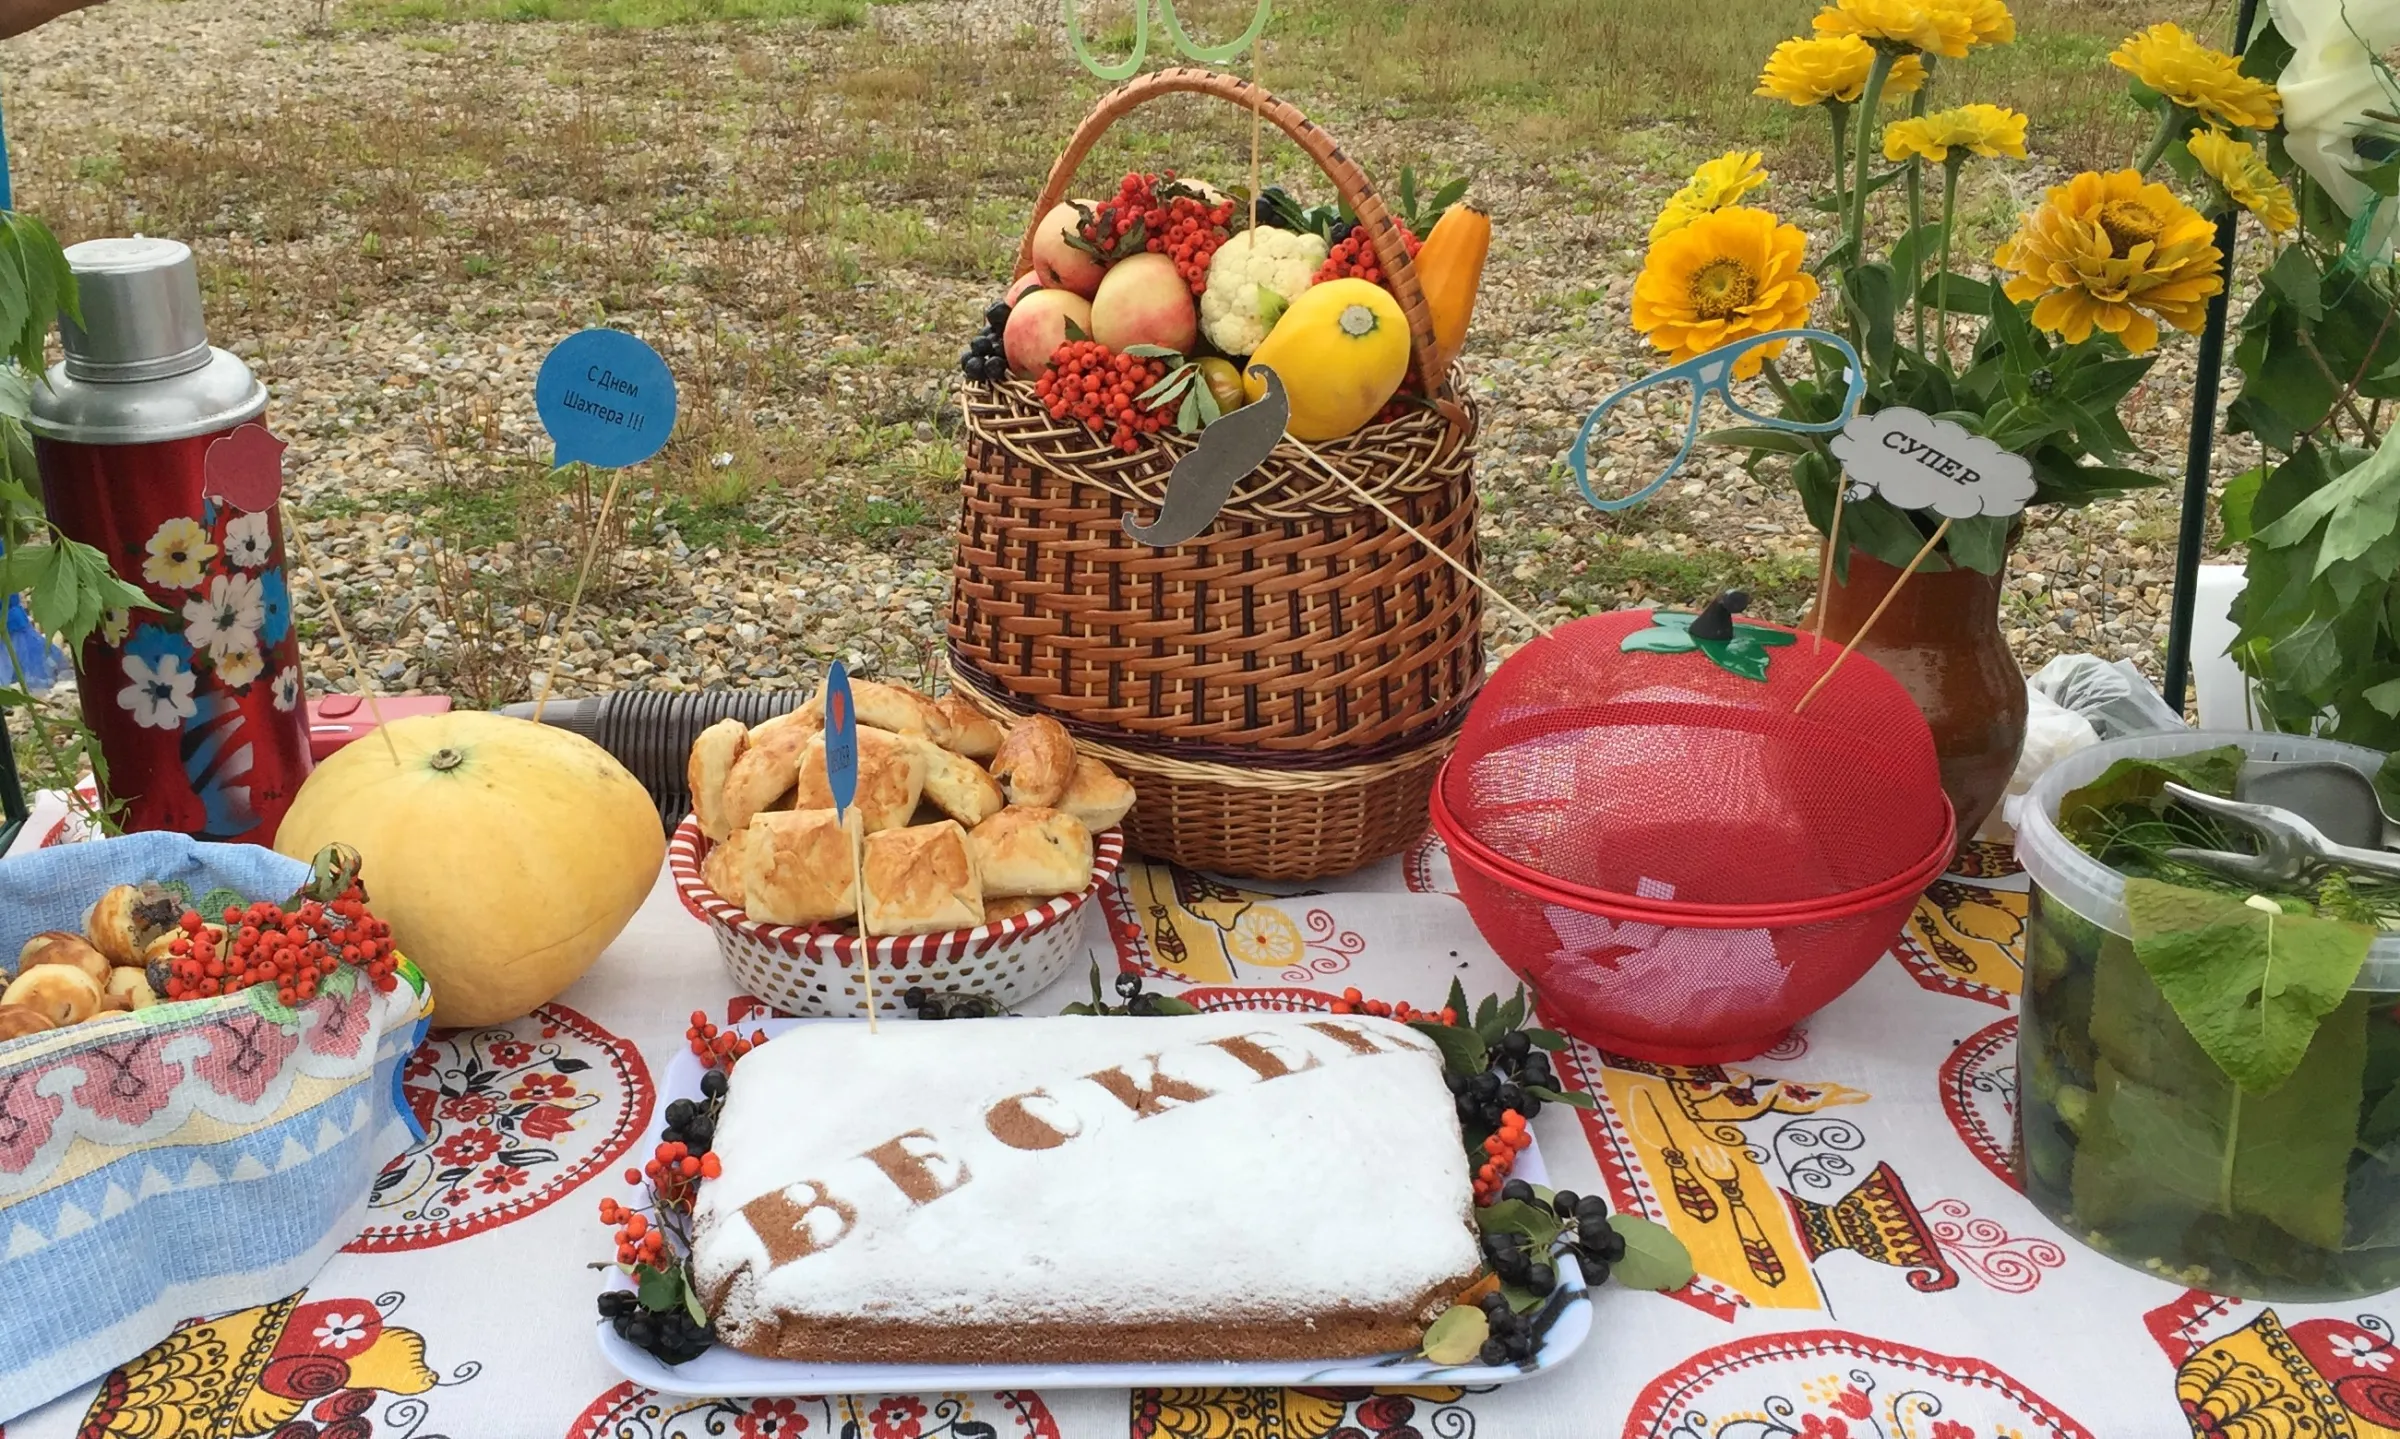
[149, 452]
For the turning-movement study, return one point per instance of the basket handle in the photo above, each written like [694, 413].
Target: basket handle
[1348, 179]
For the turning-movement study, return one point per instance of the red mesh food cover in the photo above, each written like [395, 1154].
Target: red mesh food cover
[1631, 755]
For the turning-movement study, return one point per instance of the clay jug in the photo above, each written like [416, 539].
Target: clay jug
[1941, 639]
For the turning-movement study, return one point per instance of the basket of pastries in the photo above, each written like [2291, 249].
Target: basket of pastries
[982, 849]
[199, 1056]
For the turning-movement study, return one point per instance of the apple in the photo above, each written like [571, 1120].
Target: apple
[1144, 300]
[1026, 284]
[1056, 259]
[1037, 326]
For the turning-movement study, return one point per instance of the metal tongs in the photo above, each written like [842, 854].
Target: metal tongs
[2291, 850]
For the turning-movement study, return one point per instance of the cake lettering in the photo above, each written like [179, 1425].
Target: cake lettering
[791, 1230]
[1013, 1122]
[1262, 1053]
[913, 1172]
[916, 1165]
[1163, 1091]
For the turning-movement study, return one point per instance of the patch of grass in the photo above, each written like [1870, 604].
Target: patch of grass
[874, 518]
[705, 526]
[611, 14]
[1607, 572]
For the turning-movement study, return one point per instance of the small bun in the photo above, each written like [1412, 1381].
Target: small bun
[62, 993]
[891, 779]
[1027, 850]
[111, 924]
[796, 869]
[714, 751]
[766, 771]
[722, 869]
[972, 732]
[1098, 795]
[19, 1020]
[921, 881]
[129, 984]
[56, 946]
[956, 785]
[1036, 762]
[900, 710]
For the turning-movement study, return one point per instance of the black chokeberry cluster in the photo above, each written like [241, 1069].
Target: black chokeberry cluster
[1515, 1066]
[690, 1125]
[934, 1004]
[1513, 1340]
[672, 1338]
[1587, 1231]
[1138, 1001]
[984, 361]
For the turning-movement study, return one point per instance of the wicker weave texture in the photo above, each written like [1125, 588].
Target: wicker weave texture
[1340, 632]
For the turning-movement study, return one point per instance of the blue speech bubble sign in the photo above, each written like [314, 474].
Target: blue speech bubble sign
[606, 399]
[841, 739]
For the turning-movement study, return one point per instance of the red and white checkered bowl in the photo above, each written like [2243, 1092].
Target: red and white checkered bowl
[808, 971]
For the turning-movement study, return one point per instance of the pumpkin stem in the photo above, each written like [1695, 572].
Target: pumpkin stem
[1357, 321]
[444, 760]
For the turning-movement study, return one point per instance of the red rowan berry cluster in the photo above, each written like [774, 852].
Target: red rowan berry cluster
[1500, 1150]
[293, 950]
[719, 1048]
[1100, 388]
[1354, 257]
[1352, 1002]
[1188, 231]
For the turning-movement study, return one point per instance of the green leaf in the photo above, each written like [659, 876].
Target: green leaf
[1917, 250]
[1761, 439]
[1551, 1041]
[1408, 191]
[1154, 352]
[1487, 1018]
[1654, 1258]
[1868, 294]
[1570, 1098]
[1965, 295]
[1512, 1011]
[2386, 699]
[1187, 416]
[1456, 1002]
[2387, 784]
[1516, 1216]
[1980, 542]
[2249, 986]
[2294, 280]
[1457, 1337]
[1210, 410]
[2140, 781]
[2234, 504]
[1169, 1004]
[691, 1306]
[1462, 1051]
[660, 1290]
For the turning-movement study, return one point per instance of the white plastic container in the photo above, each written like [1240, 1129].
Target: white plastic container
[2130, 1137]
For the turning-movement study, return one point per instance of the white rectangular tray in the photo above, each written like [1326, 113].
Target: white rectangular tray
[723, 1373]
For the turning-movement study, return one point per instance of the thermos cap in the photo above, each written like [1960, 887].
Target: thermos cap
[140, 299]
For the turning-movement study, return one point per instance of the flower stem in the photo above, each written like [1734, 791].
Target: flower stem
[1916, 222]
[1956, 162]
[1839, 114]
[2167, 125]
[1854, 233]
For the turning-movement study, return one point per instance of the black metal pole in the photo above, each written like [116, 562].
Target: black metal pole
[2203, 444]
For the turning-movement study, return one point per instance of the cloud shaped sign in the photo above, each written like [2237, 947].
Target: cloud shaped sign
[1917, 462]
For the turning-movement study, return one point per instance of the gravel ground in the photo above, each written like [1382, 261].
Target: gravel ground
[398, 298]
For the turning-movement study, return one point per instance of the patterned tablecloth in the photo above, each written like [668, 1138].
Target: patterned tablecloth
[1867, 1266]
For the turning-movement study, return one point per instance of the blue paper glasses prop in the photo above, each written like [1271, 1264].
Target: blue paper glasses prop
[1712, 374]
[1183, 42]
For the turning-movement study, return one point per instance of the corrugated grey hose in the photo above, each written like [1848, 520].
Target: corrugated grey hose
[651, 731]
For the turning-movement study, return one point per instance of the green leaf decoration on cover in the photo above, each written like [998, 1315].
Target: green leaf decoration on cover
[1745, 654]
[2249, 985]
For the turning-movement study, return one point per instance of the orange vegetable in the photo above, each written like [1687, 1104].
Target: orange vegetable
[1449, 269]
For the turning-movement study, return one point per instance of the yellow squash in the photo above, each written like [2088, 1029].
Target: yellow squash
[1449, 268]
[1341, 351]
[504, 854]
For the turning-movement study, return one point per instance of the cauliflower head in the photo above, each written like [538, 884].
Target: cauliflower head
[1253, 277]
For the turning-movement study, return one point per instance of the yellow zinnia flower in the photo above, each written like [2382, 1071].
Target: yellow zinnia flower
[1716, 184]
[1729, 274]
[1914, 24]
[1988, 130]
[2167, 59]
[1988, 20]
[2241, 171]
[2111, 252]
[1828, 69]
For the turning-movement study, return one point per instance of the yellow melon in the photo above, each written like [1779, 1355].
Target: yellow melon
[504, 854]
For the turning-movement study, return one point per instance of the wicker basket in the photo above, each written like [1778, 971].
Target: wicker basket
[814, 971]
[1280, 689]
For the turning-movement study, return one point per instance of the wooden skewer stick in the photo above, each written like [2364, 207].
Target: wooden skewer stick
[592, 548]
[1833, 537]
[1421, 538]
[858, 877]
[1877, 613]
[358, 662]
[1258, 90]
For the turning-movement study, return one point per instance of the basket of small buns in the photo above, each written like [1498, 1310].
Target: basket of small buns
[192, 1113]
[982, 850]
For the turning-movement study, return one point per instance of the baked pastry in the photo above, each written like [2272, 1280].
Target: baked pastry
[987, 1142]
[714, 751]
[766, 771]
[972, 732]
[1036, 761]
[129, 985]
[721, 869]
[19, 1020]
[797, 869]
[1008, 906]
[56, 946]
[1026, 849]
[957, 786]
[891, 777]
[920, 881]
[1097, 795]
[899, 709]
[808, 719]
[61, 993]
